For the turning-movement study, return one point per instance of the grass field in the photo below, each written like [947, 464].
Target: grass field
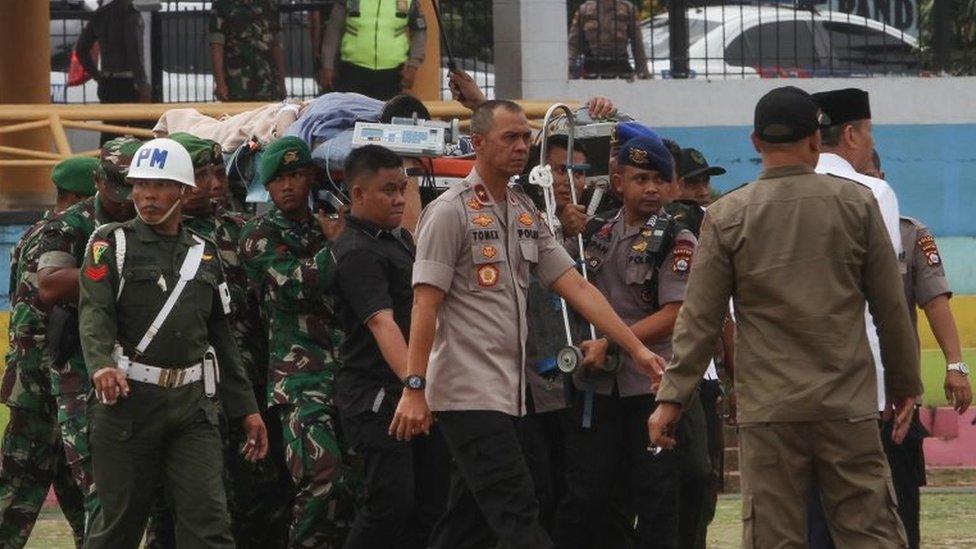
[933, 374]
[947, 522]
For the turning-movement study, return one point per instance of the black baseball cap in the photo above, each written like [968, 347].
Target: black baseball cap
[693, 164]
[787, 115]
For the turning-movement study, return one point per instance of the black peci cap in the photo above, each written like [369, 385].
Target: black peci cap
[787, 115]
[693, 164]
[845, 105]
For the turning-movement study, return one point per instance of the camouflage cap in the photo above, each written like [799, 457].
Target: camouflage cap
[285, 155]
[116, 156]
[76, 174]
[203, 152]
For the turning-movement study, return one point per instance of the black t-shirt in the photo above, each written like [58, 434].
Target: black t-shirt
[374, 268]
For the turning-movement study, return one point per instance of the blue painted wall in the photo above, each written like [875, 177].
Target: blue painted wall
[931, 167]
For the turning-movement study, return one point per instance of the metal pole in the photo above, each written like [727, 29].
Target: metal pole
[942, 31]
[678, 38]
[156, 56]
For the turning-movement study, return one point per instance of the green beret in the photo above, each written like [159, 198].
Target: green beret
[203, 152]
[76, 174]
[285, 155]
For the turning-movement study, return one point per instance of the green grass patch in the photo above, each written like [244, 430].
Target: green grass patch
[947, 521]
[933, 374]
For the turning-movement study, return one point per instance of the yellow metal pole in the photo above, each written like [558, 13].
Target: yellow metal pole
[24, 126]
[25, 69]
[112, 128]
[60, 138]
[427, 86]
[29, 153]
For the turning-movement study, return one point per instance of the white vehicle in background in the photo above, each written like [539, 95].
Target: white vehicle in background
[739, 41]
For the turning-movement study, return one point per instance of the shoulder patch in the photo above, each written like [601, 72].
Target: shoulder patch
[98, 248]
[683, 251]
[926, 243]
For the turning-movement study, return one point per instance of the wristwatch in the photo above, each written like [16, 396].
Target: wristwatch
[415, 382]
[958, 367]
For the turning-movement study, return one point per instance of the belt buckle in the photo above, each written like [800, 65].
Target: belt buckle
[181, 375]
[165, 378]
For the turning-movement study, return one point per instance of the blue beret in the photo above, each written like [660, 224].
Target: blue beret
[629, 130]
[647, 154]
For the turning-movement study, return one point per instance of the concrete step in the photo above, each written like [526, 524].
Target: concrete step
[731, 482]
[731, 436]
[950, 476]
[938, 477]
[731, 459]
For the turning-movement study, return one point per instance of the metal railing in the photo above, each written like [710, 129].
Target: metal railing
[468, 27]
[726, 39]
[178, 50]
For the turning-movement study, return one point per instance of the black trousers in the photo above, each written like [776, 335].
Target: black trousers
[118, 90]
[381, 84]
[541, 436]
[607, 68]
[492, 499]
[610, 473]
[907, 464]
[405, 482]
[709, 394]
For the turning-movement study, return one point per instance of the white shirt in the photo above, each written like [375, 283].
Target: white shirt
[833, 164]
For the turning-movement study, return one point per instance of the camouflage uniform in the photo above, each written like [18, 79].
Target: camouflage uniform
[32, 457]
[600, 33]
[290, 263]
[259, 494]
[248, 30]
[62, 244]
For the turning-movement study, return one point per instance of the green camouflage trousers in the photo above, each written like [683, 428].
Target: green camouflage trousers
[73, 419]
[32, 460]
[323, 509]
[259, 495]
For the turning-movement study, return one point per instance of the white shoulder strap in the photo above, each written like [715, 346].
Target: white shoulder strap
[119, 258]
[191, 263]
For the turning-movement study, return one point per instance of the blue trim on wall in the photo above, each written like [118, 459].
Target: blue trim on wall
[931, 167]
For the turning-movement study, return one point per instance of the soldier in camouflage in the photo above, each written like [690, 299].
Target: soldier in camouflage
[599, 35]
[258, 494]
[288, 258]
[32, 457]
[249, 64]
[61, 251]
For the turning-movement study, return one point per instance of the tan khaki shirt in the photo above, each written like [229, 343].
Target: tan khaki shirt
[922, 270]
[622, 275]
[799, 253]
[481, 253]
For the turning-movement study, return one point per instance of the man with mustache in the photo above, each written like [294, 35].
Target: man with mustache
[477, 245]
[159, 349]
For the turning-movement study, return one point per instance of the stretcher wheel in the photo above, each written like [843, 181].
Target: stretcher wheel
[569, 359]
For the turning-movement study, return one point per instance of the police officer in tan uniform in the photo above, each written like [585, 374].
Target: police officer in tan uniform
[926, 287]
[476, 247]
[799, 253]
[639, 259]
